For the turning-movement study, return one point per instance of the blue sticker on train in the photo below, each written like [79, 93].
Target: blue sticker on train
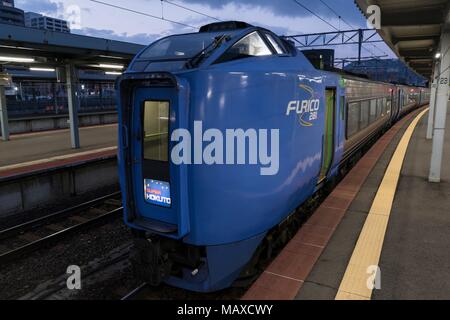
[157, 192]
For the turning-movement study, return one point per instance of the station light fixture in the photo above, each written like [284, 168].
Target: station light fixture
[16, 59]
[111, 66]
[438, 55]
[113, 73]
[43, 69]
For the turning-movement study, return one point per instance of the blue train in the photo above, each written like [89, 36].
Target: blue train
[223, 134]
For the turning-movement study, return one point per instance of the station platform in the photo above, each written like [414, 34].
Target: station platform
[383, 233]
[29, 152]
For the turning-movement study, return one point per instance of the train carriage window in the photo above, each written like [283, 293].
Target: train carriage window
[373, 110]
[156, 130]
[252, 45]
[275, 44]
[364, 115]
[353, 118]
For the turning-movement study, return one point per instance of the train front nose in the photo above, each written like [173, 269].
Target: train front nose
[156, 195]
[152, 107]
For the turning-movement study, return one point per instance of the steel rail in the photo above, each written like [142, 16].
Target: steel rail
[134, 292]
[45, 241]
[35, 223]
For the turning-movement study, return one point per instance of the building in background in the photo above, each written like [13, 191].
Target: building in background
[9, 14]
[7, 3]
[39, 21]
[387, 70]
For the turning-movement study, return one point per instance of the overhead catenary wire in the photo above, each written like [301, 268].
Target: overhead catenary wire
[191, 10]
[143, 14]
[337, 14]
[325, 21]
[347, 23]
[315, 14]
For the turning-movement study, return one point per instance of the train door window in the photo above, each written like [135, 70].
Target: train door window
[394, 100]
[380, 112]
[364, 115]
[252, 45]
[342, 107]
[353, 118]
[388, 106]
[373, 110]
[328, 138]
[156, 130]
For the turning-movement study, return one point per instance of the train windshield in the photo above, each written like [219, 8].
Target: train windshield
[180, 46]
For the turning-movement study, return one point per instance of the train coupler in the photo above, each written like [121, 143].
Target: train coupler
[150, 264]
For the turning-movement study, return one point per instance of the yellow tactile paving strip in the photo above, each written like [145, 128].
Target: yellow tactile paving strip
[354, 285]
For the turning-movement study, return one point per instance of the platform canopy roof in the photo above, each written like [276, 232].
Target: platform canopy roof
[412, 29]
[49, 48]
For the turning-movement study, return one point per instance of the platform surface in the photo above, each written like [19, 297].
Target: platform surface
[413, 257]
[25, 152]
[414, 260]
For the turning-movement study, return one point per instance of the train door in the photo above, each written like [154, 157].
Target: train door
[151, 168]
[328, 136]
[400, 102]
[393, 105]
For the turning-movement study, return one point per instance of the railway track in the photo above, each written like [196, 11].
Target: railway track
[135, 293]
[38, 233]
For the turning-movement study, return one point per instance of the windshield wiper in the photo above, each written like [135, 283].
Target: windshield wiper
[196, 59]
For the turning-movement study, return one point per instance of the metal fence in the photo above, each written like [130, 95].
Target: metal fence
[30, 98]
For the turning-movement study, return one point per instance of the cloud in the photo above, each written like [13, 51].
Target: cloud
[39, 6]
[141, 38]
[288, 8]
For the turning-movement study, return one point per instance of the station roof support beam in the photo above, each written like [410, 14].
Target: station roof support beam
[4, 115]
[418, 15]
[441, 109]
[73, 104]
[30, 47]
[412, 29]
[431, 113]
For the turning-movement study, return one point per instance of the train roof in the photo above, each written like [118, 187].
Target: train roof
[225, 26]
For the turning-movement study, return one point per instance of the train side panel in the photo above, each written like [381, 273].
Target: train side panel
[230, 203]
[369, 109]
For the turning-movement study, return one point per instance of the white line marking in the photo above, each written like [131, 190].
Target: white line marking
[57, 158]
[279, 275]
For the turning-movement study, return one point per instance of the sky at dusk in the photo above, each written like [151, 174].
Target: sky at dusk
[284, 17]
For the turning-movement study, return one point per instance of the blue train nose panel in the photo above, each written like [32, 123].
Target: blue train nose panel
[224, 265]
